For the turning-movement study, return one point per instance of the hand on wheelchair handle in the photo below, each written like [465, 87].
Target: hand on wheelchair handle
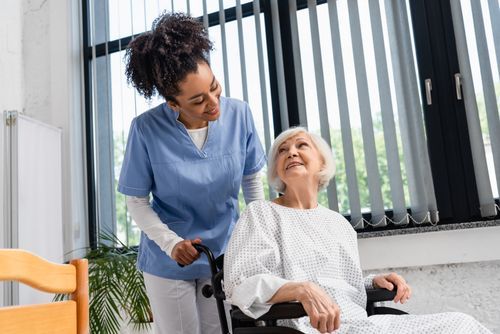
[184, 252]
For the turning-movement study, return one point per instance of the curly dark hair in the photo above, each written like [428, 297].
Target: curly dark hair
[157, 60]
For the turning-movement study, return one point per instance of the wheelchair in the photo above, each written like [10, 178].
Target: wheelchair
[267, 324]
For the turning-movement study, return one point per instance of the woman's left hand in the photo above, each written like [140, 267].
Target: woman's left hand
[388, 281]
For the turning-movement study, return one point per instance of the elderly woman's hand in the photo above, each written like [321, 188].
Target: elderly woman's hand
[323, 313]
[387, 281]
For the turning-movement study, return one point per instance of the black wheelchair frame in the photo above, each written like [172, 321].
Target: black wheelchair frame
[266, 324]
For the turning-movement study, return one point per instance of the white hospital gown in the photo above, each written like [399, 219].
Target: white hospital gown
[272, 244]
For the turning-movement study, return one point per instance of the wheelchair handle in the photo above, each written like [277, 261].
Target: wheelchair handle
[211, 259]
[208, 290]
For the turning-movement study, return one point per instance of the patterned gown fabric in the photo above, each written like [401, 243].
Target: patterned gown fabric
[272, 245]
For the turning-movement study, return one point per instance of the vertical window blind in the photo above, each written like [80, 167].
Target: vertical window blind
[479, 59]
[345, 123]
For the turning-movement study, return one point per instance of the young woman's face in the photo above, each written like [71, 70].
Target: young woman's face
[298, 159]
[198, 100]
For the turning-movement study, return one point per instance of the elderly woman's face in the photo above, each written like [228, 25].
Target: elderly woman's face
[298, 159]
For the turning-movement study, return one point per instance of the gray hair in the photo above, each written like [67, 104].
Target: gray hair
[326, 173]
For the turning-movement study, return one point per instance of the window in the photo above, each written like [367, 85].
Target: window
[372, 77]
[112, 103]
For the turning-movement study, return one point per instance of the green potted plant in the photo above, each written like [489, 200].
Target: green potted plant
[117, 293]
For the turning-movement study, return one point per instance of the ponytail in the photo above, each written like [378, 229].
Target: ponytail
[139, 69]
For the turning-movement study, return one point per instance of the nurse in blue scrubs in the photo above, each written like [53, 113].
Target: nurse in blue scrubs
[183, 167]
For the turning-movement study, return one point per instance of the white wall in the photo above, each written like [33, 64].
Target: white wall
[456, 270]
[422, 249]
[11, 88]
[11, 73]
[2, 199]
[472, 288]
[40, 75]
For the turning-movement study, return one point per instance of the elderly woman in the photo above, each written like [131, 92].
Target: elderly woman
[293, 249]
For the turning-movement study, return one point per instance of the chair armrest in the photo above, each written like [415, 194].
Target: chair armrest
[289, 310]
[380, 295]
[292, 310]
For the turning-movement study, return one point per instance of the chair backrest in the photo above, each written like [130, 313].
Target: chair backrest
[69, 316]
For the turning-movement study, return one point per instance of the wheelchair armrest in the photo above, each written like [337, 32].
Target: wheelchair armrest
[289, 310]
[380, 295]
[292, 310]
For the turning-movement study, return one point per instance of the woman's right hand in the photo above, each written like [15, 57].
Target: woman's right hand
[323, 312]
[184, 253]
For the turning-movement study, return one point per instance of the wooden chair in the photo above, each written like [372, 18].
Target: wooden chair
[68, 316]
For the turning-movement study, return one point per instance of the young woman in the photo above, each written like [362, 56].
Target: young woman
[192, 154]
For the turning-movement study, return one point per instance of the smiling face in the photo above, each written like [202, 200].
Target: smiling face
[199, 97]
[298, 160]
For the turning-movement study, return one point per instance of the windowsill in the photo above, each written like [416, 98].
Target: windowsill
[428, 228]
[430, 245]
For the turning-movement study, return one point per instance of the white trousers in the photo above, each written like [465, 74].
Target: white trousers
[180, 308]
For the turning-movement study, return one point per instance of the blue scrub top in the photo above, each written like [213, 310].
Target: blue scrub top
[195, 192]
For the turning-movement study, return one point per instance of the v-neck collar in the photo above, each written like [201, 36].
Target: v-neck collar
[212, 125]
[174, 116]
